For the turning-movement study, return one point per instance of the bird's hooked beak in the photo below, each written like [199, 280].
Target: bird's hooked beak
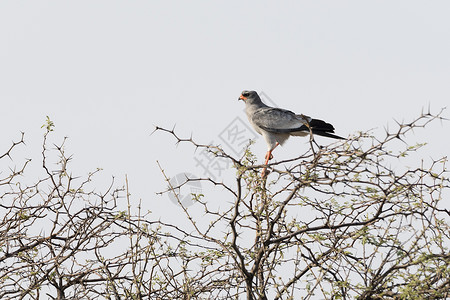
[242, 98]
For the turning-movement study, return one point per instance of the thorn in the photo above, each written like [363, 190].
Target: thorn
[154, 130]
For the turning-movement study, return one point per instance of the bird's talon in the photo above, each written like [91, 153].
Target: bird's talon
[264, 173]
[270, 157]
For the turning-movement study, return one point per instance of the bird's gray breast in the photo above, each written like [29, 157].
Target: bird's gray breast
[250, 111]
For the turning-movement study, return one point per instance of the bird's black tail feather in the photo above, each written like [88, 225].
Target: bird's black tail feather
[323, 128]
[321, 125]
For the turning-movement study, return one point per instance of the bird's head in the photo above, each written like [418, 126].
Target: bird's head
[249, 97]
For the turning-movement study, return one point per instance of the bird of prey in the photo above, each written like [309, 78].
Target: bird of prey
[276, 125]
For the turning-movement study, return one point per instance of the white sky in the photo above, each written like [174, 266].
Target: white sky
[106, 72]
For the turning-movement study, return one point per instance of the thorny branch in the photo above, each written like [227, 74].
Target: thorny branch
[338, 222]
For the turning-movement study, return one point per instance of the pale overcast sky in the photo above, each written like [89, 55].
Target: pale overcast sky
[106, 72]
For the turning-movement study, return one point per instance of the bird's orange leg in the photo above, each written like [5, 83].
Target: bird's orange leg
[268, 157]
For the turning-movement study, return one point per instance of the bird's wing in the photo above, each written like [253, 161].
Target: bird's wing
[279, 120]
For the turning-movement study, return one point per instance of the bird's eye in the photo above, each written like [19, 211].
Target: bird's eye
[245, 94]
